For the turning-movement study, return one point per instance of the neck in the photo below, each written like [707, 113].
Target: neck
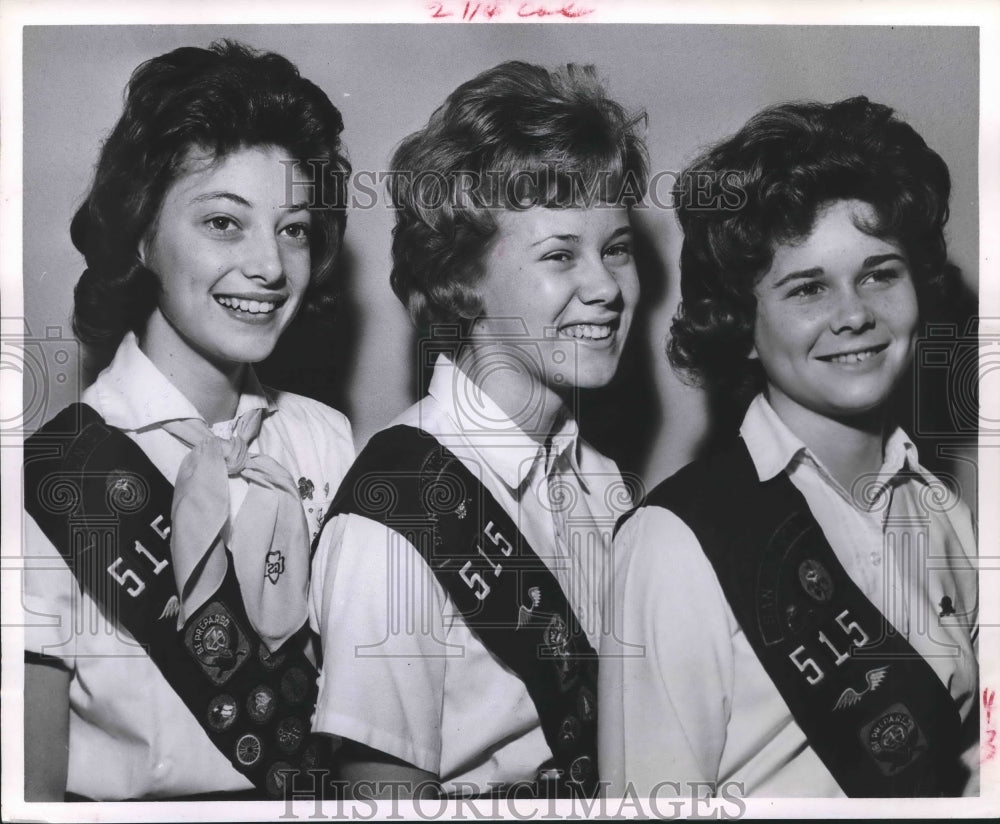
[213, 388]
[849, 448]
[533, 407]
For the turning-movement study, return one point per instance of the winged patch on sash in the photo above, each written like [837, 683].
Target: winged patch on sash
[171, 608]
[850, 696]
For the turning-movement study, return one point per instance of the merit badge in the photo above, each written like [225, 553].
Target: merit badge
[306, 488]
[893, 739]
[290, 734]
[270, 660]
[222, 712]
[582, 769]
[261, 704]
[947, 607]
[274, 565]
[278, 774]
[586, 704]
[294, 685]
[569, 731]
[216, 641]
[249, 749]
[850, 696]
[310, 756]
[816, 580]
[557, 634]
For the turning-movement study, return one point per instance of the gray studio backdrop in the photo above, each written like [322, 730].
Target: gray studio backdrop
[697, 83]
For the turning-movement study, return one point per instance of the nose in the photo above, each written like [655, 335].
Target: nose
[852, 313]
[599, 285]
[262, 258]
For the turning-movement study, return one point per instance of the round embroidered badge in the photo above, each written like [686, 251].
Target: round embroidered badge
[249, 749]
[261, 704]
[222, 712]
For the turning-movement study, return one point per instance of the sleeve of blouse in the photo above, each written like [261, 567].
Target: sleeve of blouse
[667, 664]
[379, 615]
[50, 598]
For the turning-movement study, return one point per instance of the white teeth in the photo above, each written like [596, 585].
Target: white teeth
[853, 357]
[254, 307]
[590, 331]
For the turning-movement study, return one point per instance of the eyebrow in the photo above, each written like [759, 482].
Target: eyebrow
[570, 238]
[816, 271]
[242, 201]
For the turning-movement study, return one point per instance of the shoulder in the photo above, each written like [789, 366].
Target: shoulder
[301, 412]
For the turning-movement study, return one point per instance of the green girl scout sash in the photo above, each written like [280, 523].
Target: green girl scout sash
[106, 509]
[870, 706]
[405, 480]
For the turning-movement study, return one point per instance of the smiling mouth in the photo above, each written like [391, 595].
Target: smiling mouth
[858, 356]
[588, 331]
[253, 307]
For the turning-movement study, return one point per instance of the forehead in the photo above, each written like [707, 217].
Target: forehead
[540, 222]
[841, 234]
[262, 175]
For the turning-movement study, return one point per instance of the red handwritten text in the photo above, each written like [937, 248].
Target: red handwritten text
[469, 11]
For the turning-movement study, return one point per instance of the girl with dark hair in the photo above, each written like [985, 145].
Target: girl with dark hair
[181, 494]
[458, 586]
[805, 596]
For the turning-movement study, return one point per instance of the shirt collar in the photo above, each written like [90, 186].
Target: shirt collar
[133, 394]
[502, 446]
[773, 446]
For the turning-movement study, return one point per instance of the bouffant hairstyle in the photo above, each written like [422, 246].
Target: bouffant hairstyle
[217, 100]
[764, 187]
[513, 137]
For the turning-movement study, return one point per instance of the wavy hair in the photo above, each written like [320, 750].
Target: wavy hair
[220, 100]
[513, 137]
[763, 187]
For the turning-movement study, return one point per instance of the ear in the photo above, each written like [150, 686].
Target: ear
[141, 250]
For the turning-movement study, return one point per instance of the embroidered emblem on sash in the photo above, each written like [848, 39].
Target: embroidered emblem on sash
[277, 774]
[171, 608]
[569, 731]
[460, 511]
[893, 739]
[557, 635]
[125, 491]
[290, 735]
[217, 643]
[523, 612]
[587, 704]
[816, 580]
[222, 712]
[274, 565]
[294, 685]
[261, 704]
[582, 769]
[850, 696]
[947, 607]
[270, 660]
[249, 749]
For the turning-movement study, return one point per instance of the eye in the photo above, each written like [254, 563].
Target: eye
[560, 256]
[221, 223]
[808, 289]
[882, 276]
[297, 231]
[621, 252]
